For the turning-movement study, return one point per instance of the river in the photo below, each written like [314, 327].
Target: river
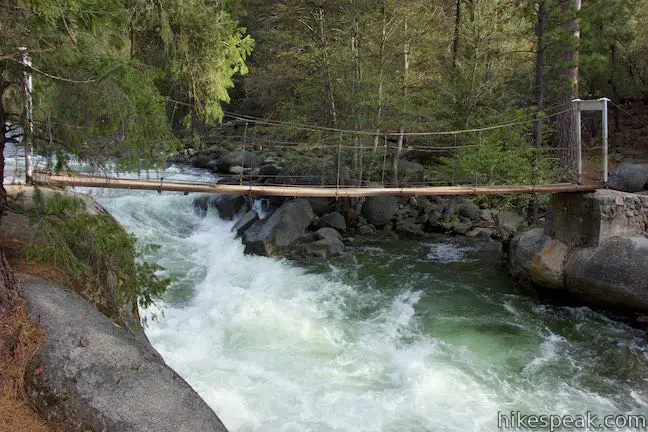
[427, 335]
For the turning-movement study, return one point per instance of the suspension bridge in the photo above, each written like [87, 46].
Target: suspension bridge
[252, 185]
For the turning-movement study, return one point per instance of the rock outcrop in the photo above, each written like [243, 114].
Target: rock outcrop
[280, 231]
[92, 375]
[629, 178]
[593, 247]
[379, 211]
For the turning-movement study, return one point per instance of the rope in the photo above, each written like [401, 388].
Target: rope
[313, 128]
[620, 108]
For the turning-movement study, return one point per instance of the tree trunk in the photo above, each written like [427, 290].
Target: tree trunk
[401, 137]
[455, 42]
[539, 98]
[8, 286]
[615, 89]
[3, 135]
[565, 128]
[539, 75]
[328, 82]
[355, 74]
[381, 72]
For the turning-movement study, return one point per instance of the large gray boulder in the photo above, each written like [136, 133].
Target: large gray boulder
[280, 231]
[322, 206]
[227, 206]
[92, 375]
[629, 178]
[328, 244]
[245, 222]
[614, 275]
[379, 210]
[469, 209]
[508, 222]
[537, 259]
[333, 220]
[410, 172]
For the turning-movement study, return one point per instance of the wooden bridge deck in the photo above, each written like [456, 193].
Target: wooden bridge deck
[304, 190]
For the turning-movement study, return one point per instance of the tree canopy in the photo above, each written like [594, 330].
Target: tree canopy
[105, 72]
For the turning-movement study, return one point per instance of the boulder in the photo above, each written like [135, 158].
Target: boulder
[245, 222]
[329, 244]
[366, 229]
[212, 164]
[629, 177]
[327, 234]
[280, 231]
[469, 209]
[268, 171]
[481, 232]
[202, 203]
[243, 158]
[523, 250]
[333, 220]
[486, 217]
[613, 275]
[92, 375]
[228, 206]
[200, 160]
[410, 228]
[238, 170]
[379, 210]
[448, 207]
[410, 172]
[325, 248]
[322, 206]
[508, 222]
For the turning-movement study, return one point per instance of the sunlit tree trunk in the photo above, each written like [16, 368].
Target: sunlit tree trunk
[566, 134]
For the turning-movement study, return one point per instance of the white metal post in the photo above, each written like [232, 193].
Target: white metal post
[28, 132]
[577, 126]
[605, 138]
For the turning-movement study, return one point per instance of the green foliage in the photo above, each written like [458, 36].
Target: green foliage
[93, 247]
[499, 158]
[104, 71]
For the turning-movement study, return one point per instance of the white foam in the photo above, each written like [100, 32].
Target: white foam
[271, 346]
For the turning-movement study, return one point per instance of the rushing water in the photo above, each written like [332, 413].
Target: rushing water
[426, 335]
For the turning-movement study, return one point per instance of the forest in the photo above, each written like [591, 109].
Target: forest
[137, 80]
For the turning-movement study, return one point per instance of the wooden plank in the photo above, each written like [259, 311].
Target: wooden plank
[303, 190]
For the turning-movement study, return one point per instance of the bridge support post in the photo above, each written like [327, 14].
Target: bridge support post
[579, 147]
[592, 105]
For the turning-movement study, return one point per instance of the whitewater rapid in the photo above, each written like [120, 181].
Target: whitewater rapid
[414, 337]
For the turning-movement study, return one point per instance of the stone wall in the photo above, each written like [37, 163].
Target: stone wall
[587, 220]
[593, 246]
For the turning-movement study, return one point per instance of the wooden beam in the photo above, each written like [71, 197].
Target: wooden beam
[303, 190]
